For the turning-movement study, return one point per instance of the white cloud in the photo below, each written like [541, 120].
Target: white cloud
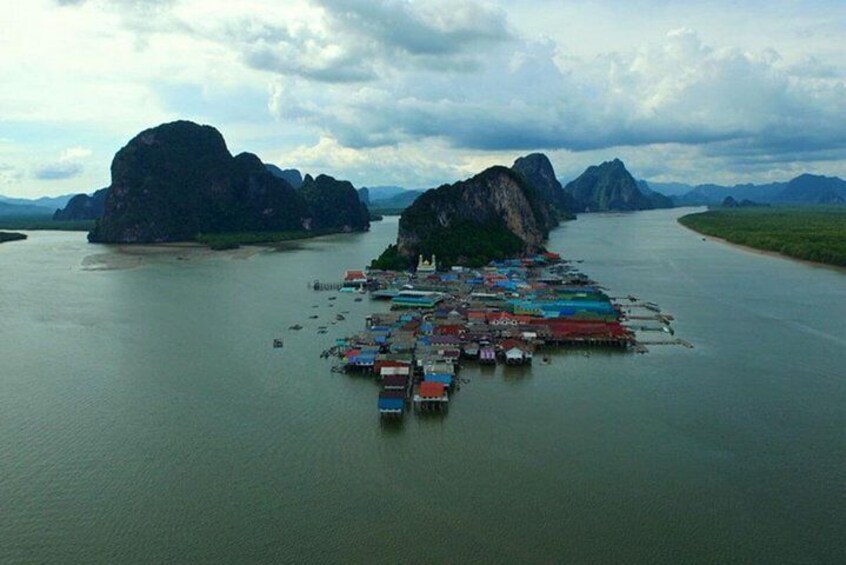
[434, 89]
[9, 175]
[69, 165]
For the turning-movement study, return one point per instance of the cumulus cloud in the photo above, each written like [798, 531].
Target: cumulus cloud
[69, 165]
[355, 41]
[679, 91]
[9, 174]
[368, 88]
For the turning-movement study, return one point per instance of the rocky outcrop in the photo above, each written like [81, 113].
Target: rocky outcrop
[492, 215]
[175, 181]
[178, 180]
[335, 204]
[607, 187]
[538, 172]
[83, 207]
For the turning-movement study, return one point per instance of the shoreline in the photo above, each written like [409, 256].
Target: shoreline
[765, 252]
[117, 257]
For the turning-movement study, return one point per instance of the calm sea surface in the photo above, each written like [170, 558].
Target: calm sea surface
[145, 418]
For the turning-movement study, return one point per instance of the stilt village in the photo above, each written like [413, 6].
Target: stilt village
[510, 312]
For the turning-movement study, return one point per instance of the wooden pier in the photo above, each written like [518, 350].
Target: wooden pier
[317, 285]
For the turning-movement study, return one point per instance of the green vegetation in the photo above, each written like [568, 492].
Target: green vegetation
[810, 233]
[386, 211]
[11, 236]
[467, 244]
[33, 223]
[234, 240]
[391, 260]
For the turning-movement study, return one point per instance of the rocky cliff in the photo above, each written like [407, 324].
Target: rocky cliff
[178, 180]
[335, 204]
[84, 207]
[493, 215]
[606, 187]
[537, 170]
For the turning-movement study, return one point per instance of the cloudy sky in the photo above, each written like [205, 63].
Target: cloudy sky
[421, 92]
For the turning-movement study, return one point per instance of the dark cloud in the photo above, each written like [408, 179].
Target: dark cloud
[58, 171]
[362, 41]
[680, 92]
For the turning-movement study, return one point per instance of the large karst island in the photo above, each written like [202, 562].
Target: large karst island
[179, 182]
[506, 212]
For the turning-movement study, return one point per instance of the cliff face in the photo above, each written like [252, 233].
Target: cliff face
[495, 212]
[83, 207]
[335, 204]
[538, 172]
[175, 181]
[606, 187]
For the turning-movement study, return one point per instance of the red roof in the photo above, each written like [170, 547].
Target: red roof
[584, 328]
[431, 390]
[512, 343]
[352, 275]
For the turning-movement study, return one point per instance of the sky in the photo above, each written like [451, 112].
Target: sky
[417, 93]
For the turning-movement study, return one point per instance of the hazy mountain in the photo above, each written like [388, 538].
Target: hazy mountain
[813, 189]
[292, 176]
[657, 199]
[606, 187]
[398, 201]
[364, 196]
[51, 203]
[8, 210]
[804, 189]
[84, 207]
[388, 191]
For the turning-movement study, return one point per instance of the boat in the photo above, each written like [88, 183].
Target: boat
[277, 343]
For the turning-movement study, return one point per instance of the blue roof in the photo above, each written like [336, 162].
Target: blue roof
[391, 404]
[438, 378]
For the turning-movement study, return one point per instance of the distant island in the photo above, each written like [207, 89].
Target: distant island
[11, 236]
[178, 182]
[803, 190]
[811, 233]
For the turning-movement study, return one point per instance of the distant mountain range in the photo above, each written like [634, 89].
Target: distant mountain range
[804, 189]
[26, 207]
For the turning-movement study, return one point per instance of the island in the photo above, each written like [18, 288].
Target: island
[810, 233]
[178, 182]
[11, 236]
[499, 213]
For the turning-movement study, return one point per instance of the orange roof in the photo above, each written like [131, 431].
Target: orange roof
[431, 390]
